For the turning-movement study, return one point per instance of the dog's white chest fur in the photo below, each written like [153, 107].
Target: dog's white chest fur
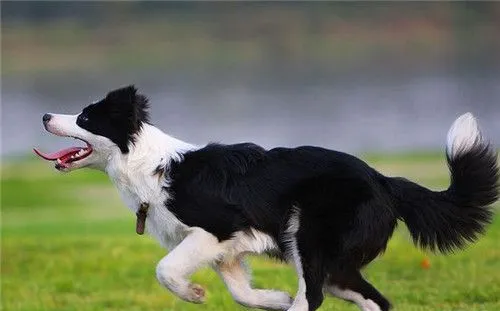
[134, 176]
[135, 188]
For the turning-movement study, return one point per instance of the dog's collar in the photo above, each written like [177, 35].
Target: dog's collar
[141, 214]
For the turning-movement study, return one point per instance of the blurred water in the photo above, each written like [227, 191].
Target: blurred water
[364, 112]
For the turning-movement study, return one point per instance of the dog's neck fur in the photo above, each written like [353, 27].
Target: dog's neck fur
[134, 176]
[151, 148]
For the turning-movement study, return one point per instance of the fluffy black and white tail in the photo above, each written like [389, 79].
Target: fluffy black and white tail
[447, 220]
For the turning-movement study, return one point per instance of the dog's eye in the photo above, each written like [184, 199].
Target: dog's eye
[82, 118]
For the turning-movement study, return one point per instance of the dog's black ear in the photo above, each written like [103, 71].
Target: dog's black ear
[126, 102]
[127, 111]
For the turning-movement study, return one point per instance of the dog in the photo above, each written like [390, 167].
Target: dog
[326, 212]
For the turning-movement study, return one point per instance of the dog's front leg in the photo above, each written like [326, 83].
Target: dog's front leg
[237, 279]
[199, 248]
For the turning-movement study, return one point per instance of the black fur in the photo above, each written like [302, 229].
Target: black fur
[447, 220]
[119, 116]
[348, 211]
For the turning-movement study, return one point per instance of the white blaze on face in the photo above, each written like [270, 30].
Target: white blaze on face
[93, 155]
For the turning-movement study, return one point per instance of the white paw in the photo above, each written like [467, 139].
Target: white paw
[285, 299]
[282, 300]
[195, 293]
[370, 305]
[270, 300]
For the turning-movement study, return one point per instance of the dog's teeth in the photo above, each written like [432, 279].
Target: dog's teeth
[79, 153]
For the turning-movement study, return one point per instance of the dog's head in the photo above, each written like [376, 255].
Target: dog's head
[108, 126]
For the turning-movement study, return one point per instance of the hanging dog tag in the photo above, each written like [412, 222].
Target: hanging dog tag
[141, 214]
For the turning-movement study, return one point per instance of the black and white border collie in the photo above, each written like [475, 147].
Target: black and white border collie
[326, 212]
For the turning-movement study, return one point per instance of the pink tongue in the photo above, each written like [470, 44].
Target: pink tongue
[56, 155]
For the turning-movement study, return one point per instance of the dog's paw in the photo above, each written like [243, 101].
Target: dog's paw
[370, 305]
[273, 299]
[196, 293]
[283, 300]
[288, 299]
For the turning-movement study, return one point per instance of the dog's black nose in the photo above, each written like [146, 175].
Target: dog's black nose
[46, 118]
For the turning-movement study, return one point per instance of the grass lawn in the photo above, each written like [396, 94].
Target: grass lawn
[68, 243]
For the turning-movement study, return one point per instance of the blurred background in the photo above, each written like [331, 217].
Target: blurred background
[350, 76]
[383, 80]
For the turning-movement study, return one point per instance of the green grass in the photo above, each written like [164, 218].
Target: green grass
[68, 243]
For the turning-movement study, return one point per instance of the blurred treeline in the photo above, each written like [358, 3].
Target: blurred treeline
[277, 36]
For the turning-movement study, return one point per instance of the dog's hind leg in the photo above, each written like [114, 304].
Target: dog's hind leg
[308, 261]
[309, 296]
[354, 288]
[237, 279]
[199, 248]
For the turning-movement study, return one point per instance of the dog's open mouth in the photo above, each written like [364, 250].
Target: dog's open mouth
[66, 156]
